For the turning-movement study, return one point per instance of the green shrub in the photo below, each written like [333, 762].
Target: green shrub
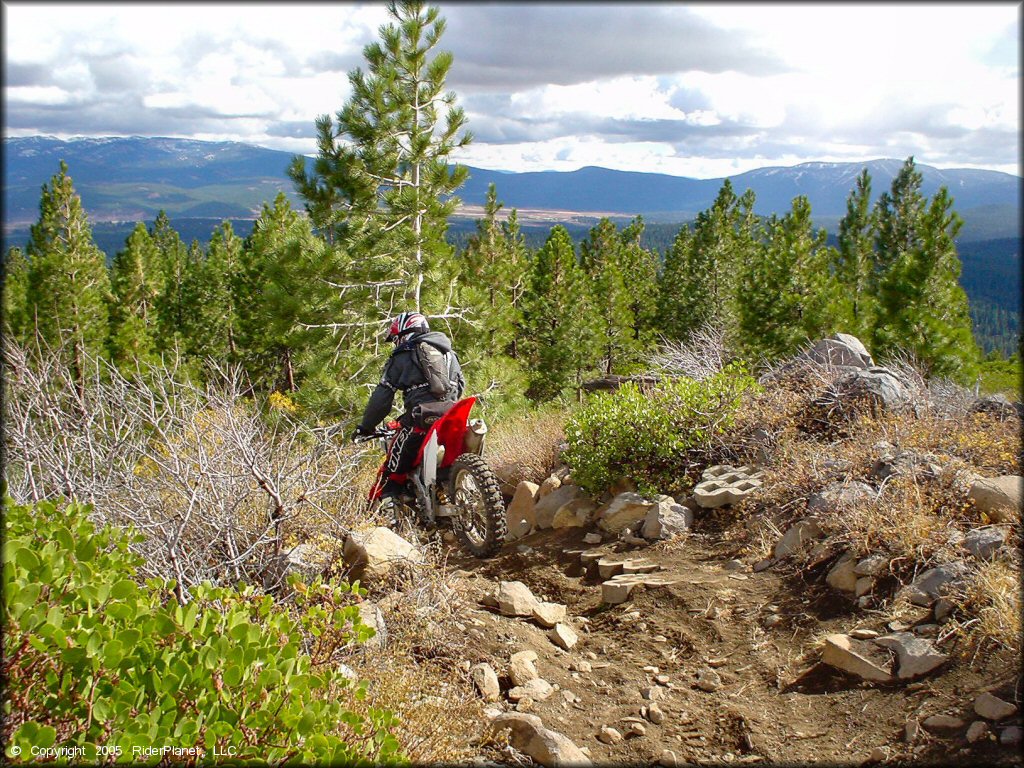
[651, 437]
[96, 663]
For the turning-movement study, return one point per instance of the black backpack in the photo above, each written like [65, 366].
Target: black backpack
[436, 367]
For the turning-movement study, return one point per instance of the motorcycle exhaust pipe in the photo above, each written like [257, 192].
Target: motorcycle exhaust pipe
[474, 439]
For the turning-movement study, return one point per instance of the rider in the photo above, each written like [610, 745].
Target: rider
[404, 371]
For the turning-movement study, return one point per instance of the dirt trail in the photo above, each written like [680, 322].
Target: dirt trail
[755, 630]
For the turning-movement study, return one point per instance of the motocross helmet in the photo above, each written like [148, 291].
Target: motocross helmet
[405, 323]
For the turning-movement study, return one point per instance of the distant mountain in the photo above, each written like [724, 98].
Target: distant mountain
[131, 179]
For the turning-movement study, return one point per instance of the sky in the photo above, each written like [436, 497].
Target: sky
[699, 90]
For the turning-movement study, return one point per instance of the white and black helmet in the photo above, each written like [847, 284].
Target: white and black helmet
[405, 323]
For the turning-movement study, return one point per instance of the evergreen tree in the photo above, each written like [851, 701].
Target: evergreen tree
[854, 261]
[173, 259]
[17, 323]
[381, 182]
[602, 259]
[559, 335]
[788, 292]
[639, 267]
[674, 303]
[68, 284]
[135, 278]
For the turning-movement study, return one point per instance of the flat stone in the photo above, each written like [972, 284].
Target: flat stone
[983, 543]
[607, 567]
[521, 513]
[943, 723]
[486, 681]
[993, 708]
[842, 576]
[915, 656]
[515, 599]
[609, 735]
[537, 689]
[934, 583]
[563, 636]
[592, 538]
[549, 614]
[864, 634]
[708, 679]
[856, 657]
[838, 496]
[639, 566]
[623, 511]
[618, 589]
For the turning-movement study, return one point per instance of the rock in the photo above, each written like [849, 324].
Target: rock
[998, 497]
[842, 576]
[977, 731]
[636, 729]
[935, 582]
[544, 746]
[662, 679]
[537, 689]
[797, 537]
[943, 723]
[763, 565]
[734, 565]
[708, 679]
[563, 636]
[655, 713]
[308, 560]
[668, 759]
[864, 585]
[525, 704]
[610, 566]
[581, 666]
[666, 519]
[993, 708]
[521, 667]
[983, 543]
[618, 589]
[1010, 737]
[623, 511]
[863, 634]
[872, 565]
[907, 464]
[486, 681]
[547, 506]
[915, 656]
[652, 692]
[575, 514]
[372, 616]
[911, 731]
[836, 497]
[943, 609]
[371, 555]
[609, 735]
[997, 405]
[877, 387]
[550, 483]
[521, 513]
[857, 657]
[878, 755]
[515, 599]
[840, 350]
[592, 538]
[549, 614]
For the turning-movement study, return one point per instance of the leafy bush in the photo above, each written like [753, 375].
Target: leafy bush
[652, 437]
[96, 663]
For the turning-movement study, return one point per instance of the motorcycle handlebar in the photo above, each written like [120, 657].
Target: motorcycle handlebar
[375, 435]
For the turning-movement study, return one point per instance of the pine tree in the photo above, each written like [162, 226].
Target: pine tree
[674, 303]
[602, 260]
[854, 261]
[639, 268]
[788, 293]
[135, 278]
[381, 183]
[17, 324]
[559, 335]
[173, 263]
[68, 284]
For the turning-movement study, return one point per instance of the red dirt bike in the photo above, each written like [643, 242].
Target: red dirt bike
[450, 482]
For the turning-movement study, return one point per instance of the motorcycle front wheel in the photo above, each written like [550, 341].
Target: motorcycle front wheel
[479, 519]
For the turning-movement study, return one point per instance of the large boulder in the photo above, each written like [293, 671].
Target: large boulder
[998, 497]
[841, 350]
[521, 514]
[544, 746]
[878, 387]
[548, 505]
[666, 519]
[515, 599]
[624, 511]
[575, 514]
[372, 555]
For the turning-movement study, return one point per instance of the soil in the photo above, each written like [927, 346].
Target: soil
[776, 705]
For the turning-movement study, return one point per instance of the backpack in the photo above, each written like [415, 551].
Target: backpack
[436, 367]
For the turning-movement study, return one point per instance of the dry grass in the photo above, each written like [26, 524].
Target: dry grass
[993, 599]
[526, 447]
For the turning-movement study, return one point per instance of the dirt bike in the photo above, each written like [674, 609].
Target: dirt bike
[450, 482]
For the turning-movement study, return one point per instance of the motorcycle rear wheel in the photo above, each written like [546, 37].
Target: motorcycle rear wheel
[474, 491]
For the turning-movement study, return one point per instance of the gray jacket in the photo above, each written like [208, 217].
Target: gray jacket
[402, 373]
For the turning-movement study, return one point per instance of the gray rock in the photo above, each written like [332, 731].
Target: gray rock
[842, 576]
[857, 657]
[666, 519]
[521, 668]
[878, 387]
[907, 464]
[840, 350]
[997, 405]
[800, 534]
[575, 514]
[563, 636]
[983, 543]
[372, 555]
[943, 723]
[915, 656]
[546, 747]
[943, 609]
[592, 538]
[548, 505]
[977, 731]
[993, 708]
[537, 689]
[872, 565]
[708, 679]
[655, 713]
[372, 616]
[623, 511]
[521, 514]
[837, 496]
[998, 497]
[1010, 737]
[486, 681]
[515, 599]
[935, 582]
[863, 586]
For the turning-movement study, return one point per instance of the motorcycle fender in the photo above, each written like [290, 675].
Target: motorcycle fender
[429, 467]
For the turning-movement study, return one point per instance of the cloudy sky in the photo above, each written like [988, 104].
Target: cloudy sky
[701, 90]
